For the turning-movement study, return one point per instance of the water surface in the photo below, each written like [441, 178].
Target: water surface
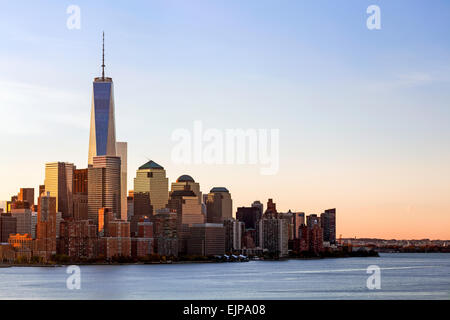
[403, 276]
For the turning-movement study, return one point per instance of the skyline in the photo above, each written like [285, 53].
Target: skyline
[394, 154]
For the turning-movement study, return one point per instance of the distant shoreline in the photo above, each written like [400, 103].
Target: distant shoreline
[55, 265]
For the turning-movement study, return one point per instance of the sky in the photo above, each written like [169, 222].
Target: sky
[363, 115]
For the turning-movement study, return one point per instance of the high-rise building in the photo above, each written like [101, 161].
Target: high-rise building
[104, 186]
[80, 194]
[46, 226]
[259, 205]
[271, 208]
[219, 205]
[328, 221]
[315, 238]
[33, 224]
[117, 241]
[102, 138]
[41, 189]
[23, 217]
[78, 239]
[189, 211]
[234, 232]
[302, 242]
[105, 215]
[249, 215]
[122, 150]
[26, 194]
[299, 220]
[185, 203]
[151, 182]
[313, 220]
[130, 206]
[59, 182]
[165, 226]
[315, 233]
[289, 216]
[186, 182]
[273, 231]
[8, 225]
[142, 245]
[207, 239]
[274, 235]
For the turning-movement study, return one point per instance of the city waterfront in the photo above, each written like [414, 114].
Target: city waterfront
[403, 276]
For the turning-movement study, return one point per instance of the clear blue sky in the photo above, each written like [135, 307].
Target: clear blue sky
[364, 116]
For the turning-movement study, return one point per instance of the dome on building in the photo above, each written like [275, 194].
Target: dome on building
[219, 189]
[185, 178]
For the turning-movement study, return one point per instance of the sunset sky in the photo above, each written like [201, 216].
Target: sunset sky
[363, 115]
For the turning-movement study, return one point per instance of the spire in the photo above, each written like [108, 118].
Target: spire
[103, 57]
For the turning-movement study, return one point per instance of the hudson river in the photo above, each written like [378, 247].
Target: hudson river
[403, 276]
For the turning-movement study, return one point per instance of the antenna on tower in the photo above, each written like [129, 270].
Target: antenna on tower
[103, 57]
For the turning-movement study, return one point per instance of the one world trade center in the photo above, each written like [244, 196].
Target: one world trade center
[102, 139]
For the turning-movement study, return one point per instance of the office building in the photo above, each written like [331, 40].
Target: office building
[59, 182]
[259, 205]
[130, 205]
[234, 232]
[104, 186]
[207, 239]
[80, 194]
[189, 211]
[23, 217]
[249, 215]
[219, 205]
[165, 227]
[186, 182]
[328, 222]
[273, 232]
[298, 220]
[8, 225]
[151, 182]
[122, 150]
[102, 138]
[46, 227]
[33, 224]
[26, 195]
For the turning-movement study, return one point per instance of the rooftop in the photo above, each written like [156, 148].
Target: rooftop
[219, 189]
[150, 165]
[185, 178]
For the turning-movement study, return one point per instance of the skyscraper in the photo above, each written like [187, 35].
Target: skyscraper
[46, 226]
[59, 182]
[299, 220]
[104, 186]
[219, 205]
[8, 225]
[249, 215]
[259, 205]
[328, 220]
[189, 211]
[102, 138]
[80, 194]
[165, 226]
[151, 182]
[273, 235]
[186, 182]
[26, 194]
[122, 150]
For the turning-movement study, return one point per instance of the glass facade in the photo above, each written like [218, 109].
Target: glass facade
[103, 132]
